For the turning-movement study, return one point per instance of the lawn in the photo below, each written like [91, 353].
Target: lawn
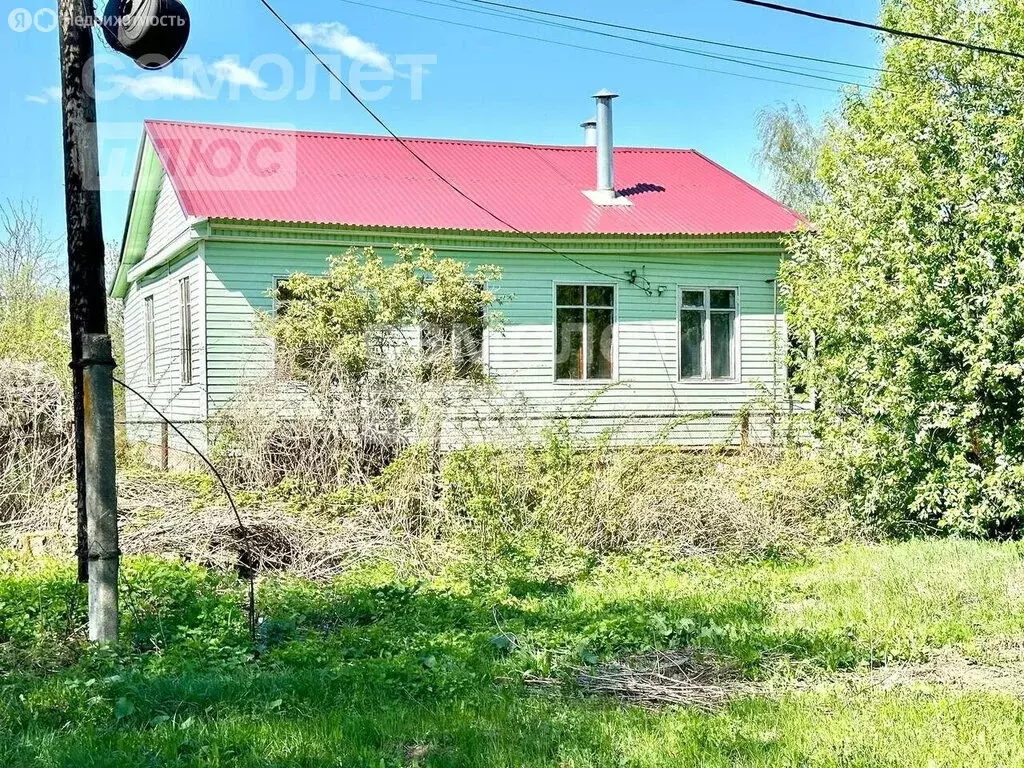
[377, 670]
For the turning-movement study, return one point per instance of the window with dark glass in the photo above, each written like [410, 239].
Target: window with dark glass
[282, 297]
[149, 326]
[796, 358]
[707, 333]
[185, 329]
[463, 343]
[584, 332]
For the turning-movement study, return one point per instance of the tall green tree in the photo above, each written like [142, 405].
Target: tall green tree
[789, 147]
[33, 303]
[912, 282]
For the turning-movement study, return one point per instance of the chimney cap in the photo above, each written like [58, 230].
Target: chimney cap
[589, 123]
[604, 93]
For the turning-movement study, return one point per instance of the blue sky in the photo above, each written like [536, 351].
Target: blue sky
[478, 84]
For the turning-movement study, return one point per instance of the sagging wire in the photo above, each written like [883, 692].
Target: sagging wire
[246, 565]
[418, 157]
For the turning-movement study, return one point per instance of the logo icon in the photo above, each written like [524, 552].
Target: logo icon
[20, 20]
[41, 22]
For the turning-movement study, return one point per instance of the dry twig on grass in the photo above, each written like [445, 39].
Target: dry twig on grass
[681, 678]
[160, 516]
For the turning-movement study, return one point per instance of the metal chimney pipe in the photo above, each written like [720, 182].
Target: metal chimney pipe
[605, 171]
[589, 132]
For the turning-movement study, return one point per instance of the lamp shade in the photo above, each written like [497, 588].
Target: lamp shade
[152, 32]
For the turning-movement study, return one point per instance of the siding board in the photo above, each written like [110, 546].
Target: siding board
[182, 403]
[647, 394]
[169, 219]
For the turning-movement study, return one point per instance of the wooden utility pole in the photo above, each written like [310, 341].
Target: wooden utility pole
[92, 361]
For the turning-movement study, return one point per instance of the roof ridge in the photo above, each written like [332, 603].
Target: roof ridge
[364, 180]
[417, 139]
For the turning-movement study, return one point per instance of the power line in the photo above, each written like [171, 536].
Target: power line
[619, 54]
[242, 530]
[501, 14]
[759, 63]
[420, 159]
[877, 28]
[673, 36]
[690, 51]
[589, 49]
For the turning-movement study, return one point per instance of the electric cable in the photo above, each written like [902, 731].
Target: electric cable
[440, 176]
[877, 28]
[242, 529]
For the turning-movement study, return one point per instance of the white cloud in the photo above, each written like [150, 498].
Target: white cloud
[48, 95]
[149, 87]
[194, 82]
[336, 37]
[230, 70]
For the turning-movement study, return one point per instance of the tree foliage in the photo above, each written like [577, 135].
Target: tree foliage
[790, 146]
[33, 305]
[347, 322]
[912, 283]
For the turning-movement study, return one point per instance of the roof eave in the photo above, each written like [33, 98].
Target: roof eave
[141, 206]
[500, 233]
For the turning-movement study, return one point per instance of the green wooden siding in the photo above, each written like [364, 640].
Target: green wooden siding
[242, 262]
[182, 403]
[169, 221]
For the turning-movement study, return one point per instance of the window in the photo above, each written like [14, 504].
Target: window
[799, 354]
[584, 332]
[150, 329]
[185, 329]
[465, 344]
[282, 298]
[707, 333]
[796, 358]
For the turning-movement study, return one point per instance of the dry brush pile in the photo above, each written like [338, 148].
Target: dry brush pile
[424, 510]
[36, 443]
[703, 681]
[176, 515]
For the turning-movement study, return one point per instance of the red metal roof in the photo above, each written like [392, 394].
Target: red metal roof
[302, 177]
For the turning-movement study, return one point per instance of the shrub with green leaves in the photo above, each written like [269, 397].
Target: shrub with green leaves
[344, 323]
[370, 355]
[910, 287]
[567, 495]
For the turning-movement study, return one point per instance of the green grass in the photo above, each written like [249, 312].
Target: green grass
[376, 671]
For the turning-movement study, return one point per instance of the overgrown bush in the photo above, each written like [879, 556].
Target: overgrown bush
[562, 501]
[909, 289]
[370, 356]
[605, 499]
[36, 438]
[36, 451]
[33, 303]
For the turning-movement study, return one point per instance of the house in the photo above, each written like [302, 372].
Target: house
[666, 257]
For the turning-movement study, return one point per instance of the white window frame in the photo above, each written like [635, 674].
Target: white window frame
[705, 362]
[149, 336]
[615, 334]
[185, 330]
